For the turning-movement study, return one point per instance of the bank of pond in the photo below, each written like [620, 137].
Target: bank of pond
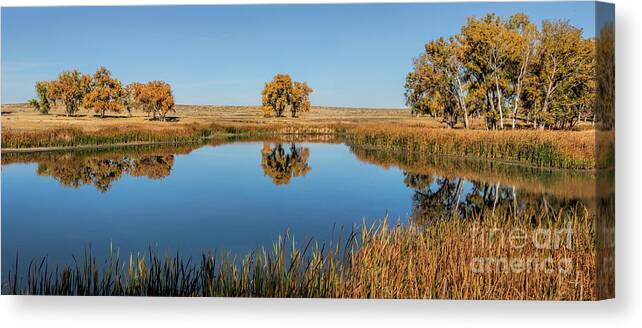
[583, 150]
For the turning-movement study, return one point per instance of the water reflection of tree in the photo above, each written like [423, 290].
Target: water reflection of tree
[438, 197]
[283, 163]
[153, 167]
[75, 171]
[434, 197]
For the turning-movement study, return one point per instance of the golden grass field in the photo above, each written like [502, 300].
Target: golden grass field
[23, 117]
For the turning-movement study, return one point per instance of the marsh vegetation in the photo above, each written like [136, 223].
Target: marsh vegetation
[376, 261]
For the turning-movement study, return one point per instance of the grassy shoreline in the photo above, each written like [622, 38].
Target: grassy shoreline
[380, 261]
[554, 149]
[533, 148]
[390, 129]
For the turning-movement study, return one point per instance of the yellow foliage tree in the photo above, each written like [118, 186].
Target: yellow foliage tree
[300, 98]
[282, 94]
[152, 97]
[70, 89]
[104, 94]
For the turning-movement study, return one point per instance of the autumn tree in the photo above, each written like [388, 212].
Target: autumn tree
[417, 92]
[523, 37]
[70, 89]
[153, 97]
[128, 98]
[506, 68]
[577, 99]
[562, 57]
[487, 54]
[437, 86]
[105, 93]
[133, 98]
[605, 82]
[42, 103]
[300, 98]
[159, 95]
[282, 94]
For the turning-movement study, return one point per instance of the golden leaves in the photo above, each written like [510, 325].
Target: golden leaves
[101, 92]
[283, 94]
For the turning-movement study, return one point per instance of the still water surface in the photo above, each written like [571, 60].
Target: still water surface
[241, 195]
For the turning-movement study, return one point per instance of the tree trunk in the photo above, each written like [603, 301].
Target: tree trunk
[515, 111]
[520, 80]
[499, 103]
[462, 102]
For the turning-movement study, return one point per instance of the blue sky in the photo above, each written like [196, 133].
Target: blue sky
[351, 55]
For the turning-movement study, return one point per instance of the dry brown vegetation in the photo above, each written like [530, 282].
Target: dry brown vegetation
[23, 117]
[563, 149]
[388, 128]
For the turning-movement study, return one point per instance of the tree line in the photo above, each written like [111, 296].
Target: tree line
[500, 70]
[504, 71]
[103, 93]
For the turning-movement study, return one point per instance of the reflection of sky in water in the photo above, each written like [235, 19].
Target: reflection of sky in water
[215, 198]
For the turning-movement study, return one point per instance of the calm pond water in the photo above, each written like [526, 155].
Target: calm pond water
[237, 196]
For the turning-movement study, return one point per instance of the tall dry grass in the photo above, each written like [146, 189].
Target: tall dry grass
[70, 137]
[560, 149]
[73, 137]
[476, 259]
[439, 260]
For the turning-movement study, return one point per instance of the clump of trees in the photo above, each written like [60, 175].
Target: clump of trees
[282, 94]
[505, 70]
[103, 93]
